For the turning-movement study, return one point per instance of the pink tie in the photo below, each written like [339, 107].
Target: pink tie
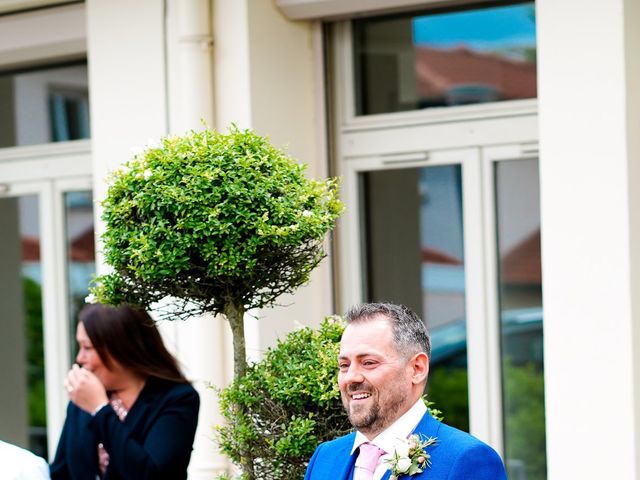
[367, 461]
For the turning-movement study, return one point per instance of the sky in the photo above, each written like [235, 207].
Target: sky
[483, 29]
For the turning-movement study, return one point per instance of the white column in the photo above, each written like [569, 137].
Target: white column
[127, 86]
[190, 65]
[268, 77]
[200, 343]
[589, 109]
[232, 73]
[287, 104]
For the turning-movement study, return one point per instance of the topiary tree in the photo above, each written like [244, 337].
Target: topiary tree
[290, 404]
[219, 222]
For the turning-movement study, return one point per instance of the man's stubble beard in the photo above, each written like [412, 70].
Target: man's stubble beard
[374, 420]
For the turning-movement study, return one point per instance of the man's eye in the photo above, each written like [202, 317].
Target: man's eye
[343, 366]
[368, 363]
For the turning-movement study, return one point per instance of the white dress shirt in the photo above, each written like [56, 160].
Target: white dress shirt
[388, 439]
[20, 464]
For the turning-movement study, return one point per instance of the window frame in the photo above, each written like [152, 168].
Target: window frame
[345, 93]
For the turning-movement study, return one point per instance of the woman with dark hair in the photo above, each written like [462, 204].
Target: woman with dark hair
[132, 414]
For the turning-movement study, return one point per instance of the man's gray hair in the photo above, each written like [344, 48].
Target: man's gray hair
[410, 334]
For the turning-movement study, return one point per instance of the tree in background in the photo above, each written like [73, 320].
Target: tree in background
[220, 223]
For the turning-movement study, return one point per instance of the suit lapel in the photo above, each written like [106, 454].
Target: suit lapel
[140, 409]
[346, 470]
[337, 462]
[428, 426]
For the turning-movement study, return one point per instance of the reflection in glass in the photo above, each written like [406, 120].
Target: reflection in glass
[518, 214]
[445, 58]
[414, 256]
[23, 418]
[44, 105]
[80, 248]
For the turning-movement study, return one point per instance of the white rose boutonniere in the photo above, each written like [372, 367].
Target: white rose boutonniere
[409, 456]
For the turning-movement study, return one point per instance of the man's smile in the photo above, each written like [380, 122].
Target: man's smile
[360, 396]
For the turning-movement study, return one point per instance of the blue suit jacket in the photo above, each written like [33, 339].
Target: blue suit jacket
[456, 456]
[154, 441]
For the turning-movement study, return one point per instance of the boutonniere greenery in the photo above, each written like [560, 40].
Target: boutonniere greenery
[410, 456]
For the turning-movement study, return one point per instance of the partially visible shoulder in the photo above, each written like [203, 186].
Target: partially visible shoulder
[183, 388]
[20, 463]
[464, 456]
[457, 439]
[171, 391]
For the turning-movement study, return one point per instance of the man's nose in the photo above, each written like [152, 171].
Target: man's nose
[353, 375]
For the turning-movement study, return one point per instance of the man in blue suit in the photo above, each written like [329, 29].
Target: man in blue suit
[384, 363]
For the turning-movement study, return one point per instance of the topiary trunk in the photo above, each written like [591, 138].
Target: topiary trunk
[234, 311]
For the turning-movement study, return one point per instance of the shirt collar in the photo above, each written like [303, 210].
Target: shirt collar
[400, 429]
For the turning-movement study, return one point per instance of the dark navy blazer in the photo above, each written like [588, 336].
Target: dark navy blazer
[154, 441]
[456, 456]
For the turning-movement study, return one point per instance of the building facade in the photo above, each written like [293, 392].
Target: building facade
[490, 168]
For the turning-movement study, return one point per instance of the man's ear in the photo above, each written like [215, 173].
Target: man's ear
[420, 368]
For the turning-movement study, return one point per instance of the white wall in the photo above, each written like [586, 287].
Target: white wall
[286, 104]
[588, 171]
[267, 79]
[127, 79]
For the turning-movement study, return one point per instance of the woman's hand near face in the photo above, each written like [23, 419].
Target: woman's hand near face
[84, 389]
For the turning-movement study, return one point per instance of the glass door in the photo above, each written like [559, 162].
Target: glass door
[516, 272]
[46, 262]
[23, 417]
[455, 235]
[416, 215]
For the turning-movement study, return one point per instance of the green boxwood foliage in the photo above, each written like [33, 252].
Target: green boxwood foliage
[213, 218]
[290, 403]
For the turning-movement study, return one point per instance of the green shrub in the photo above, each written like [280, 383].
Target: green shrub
[35, 352]
[291, 403]
[449, 386]
[524, 418]
[213, 218]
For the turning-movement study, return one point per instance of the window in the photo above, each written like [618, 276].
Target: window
[444, 58]
[44, 105]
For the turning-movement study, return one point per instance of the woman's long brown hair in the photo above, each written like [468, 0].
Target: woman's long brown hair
[130, 337]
